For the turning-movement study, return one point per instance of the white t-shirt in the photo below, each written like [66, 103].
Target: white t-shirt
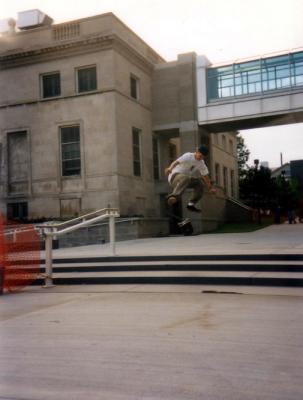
[188, 165]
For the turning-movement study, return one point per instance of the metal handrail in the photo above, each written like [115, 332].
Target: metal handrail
[81, 217]
[40, 227]
[49, 231]
[13, 231]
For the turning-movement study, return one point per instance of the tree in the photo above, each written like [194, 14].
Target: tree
[287, 193]
[257, 189]
[243, 156]
[260, 191]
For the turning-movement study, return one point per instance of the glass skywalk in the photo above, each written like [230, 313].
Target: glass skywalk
[255, 77]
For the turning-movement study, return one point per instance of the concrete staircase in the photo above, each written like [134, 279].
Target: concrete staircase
[239, 269]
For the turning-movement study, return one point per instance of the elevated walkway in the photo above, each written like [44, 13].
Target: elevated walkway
[251, 93]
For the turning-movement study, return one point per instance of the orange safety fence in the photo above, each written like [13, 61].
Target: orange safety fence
[19, 255]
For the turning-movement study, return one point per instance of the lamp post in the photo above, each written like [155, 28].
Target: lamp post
[257, 196]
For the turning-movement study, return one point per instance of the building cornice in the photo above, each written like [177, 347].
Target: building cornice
[21, 57]
[34, 102]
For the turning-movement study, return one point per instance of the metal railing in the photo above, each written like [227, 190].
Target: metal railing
[54, 230]
[12, 232]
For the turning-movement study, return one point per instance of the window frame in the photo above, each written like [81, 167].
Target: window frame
[137, 146]
[255, 77]
[217, 174]
[17, 210]
[225, 179]
[231, 146]
[223, 142]
[172, 152]
[232, 183]
[137, 87]
[46, 74]
[25, 160]
[62, 160]
[156, 159]
[86, 67]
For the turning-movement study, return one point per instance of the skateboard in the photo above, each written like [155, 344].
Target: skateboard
[184, 224]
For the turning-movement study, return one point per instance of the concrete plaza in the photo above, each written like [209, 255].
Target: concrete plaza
[275, 239]
[156, 345]
[133, 342]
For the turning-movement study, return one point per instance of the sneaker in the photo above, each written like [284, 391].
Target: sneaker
[171, 200]
[191, 207]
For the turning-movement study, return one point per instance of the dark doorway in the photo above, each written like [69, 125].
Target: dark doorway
[17, 211]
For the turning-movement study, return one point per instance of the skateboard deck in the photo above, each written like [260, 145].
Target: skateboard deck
[184, 224]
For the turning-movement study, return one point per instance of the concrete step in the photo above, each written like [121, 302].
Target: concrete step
[176, 266]
[186, 257]
[255, 269]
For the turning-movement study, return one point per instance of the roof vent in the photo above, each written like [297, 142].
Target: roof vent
[33, 19]
[7, 26]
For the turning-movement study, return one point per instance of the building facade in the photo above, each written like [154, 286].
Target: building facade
[90, 116]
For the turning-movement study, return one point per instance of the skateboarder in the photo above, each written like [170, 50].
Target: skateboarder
[189, 171]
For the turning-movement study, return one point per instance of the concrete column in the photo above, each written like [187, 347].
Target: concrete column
[188, 128]
[189, 136]
[202, 64]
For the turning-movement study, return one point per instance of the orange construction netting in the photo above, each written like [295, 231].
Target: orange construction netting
[19, 255]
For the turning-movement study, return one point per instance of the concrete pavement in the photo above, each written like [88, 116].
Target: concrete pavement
[151, 346]
[129, 342]
[275, 239]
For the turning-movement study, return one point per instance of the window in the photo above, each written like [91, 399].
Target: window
[220, 82]
[51, 85]
[172, 152]
[70, 150]
[17, 210]
[232, 183]
[134, 87]
[247, 77]
[156, 159]
[255, 77]
[217, 174]
[87, 79]
[223, 142]
[225, 178]
[297, 69]
[18, 162]
[136, 152]
[231, 146]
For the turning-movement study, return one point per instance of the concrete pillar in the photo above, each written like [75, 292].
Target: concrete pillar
[202, 64]
[189, 136]
[187, 87]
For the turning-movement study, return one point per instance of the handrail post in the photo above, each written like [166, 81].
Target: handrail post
[51, 232]
[112, 234]
[48, 261]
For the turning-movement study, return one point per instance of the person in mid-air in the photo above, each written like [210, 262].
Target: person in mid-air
[189, 171]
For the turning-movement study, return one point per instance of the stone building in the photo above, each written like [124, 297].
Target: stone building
[90, 116]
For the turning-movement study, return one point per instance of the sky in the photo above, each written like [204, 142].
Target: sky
[222, 30]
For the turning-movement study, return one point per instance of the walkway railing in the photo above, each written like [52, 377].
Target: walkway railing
[51, 231]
